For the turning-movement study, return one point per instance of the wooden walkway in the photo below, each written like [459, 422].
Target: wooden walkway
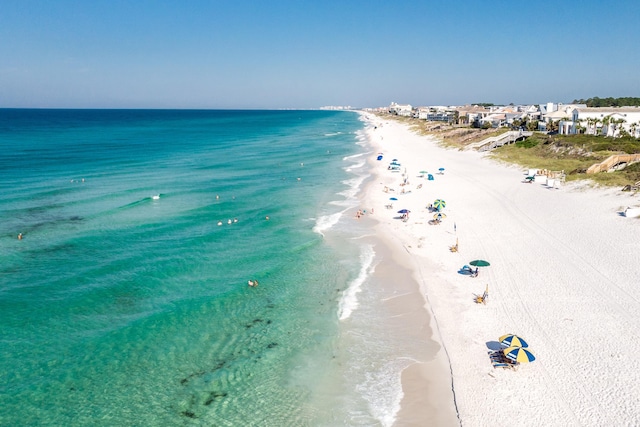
[612, 161]
[498, 141]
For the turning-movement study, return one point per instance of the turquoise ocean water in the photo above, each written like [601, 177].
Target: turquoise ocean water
[126, 302]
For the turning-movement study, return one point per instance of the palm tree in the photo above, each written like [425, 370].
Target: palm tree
[593, 123]
[617, 126]
[605, 122]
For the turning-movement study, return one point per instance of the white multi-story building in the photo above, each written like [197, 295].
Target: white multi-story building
[608, 121]
[401, 109]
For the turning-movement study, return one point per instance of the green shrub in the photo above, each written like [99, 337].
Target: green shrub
[602, 146]
[631, 148]
[527, 143]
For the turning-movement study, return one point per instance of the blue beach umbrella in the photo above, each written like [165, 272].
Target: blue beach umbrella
[392, 198]
[441, 169]
[511, 340]
[519, 354]
[404, 211]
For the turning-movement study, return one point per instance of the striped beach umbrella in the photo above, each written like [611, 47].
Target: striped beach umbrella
[519, 354]
[439, 204]
[511, 340]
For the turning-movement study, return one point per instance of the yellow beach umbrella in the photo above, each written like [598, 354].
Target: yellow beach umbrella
[511, 340]
[519, 354]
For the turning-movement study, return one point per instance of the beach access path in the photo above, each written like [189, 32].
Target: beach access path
[564, 275]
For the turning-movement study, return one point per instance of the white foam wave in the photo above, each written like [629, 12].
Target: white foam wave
[333, 134]
[353, 156]
[353, 186]
[355, 166]
[344, 203]
[325, 222]
[349, 301]
[382, 389]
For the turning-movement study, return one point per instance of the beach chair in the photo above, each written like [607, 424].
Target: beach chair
[504, 365]
[499, 360]
[454, 248]
[482, 299]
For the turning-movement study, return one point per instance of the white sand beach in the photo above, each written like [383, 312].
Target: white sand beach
[564, 275]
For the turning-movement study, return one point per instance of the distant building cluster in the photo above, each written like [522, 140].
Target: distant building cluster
[337, 107]
[559, 118]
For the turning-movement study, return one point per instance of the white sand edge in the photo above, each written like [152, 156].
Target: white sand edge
[564, 275]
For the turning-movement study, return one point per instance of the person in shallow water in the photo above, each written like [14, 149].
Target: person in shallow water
[253, 283]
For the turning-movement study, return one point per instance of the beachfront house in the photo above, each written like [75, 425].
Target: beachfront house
[405, 110]
[505, 116]
[469, 114]
[496, 119]
[437, 114]
[560, 115]
[423, 112]
[607, 121]
[532, 113]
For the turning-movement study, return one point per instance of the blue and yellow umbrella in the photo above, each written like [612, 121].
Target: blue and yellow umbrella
[511, 340]
[439, 204]
[519, 354]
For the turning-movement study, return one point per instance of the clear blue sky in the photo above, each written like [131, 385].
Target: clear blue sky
[310, 53]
